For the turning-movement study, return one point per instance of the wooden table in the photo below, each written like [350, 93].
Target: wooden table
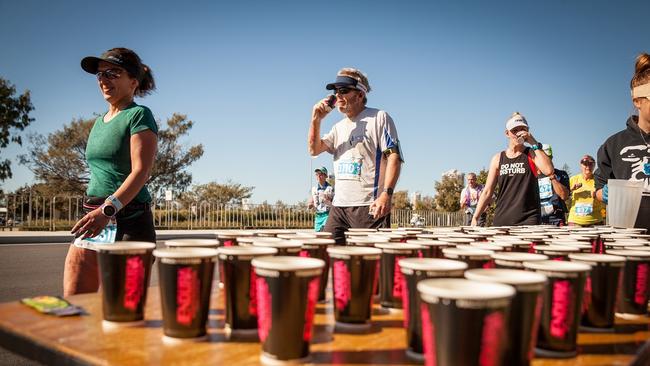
[81, 340]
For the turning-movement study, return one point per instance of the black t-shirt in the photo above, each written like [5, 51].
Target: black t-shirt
[518, 196]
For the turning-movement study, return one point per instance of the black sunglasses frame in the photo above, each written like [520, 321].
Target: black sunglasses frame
[110, 74]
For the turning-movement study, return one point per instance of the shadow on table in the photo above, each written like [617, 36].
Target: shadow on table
[369, 357]
[626, 348]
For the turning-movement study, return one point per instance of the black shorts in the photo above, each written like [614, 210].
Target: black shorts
[343, 218]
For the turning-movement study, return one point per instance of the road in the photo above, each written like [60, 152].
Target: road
[29, 270]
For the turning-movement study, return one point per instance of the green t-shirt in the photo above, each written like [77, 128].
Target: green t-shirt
[108, 151]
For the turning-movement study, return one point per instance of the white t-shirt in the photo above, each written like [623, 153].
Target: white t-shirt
[358, 147]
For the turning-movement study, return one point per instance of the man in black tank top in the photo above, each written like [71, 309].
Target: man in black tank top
[514, 171]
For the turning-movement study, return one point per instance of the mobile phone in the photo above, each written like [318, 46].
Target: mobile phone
[331, 101]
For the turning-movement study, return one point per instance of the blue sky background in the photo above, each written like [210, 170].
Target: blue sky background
[249, 72]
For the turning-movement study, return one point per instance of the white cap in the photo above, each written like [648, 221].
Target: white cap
[515, 121]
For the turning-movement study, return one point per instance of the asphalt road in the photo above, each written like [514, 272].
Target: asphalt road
[28, 270]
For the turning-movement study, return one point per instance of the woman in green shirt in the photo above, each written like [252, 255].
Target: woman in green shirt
[120, 154]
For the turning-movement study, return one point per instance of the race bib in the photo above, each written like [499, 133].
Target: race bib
[547, 208]
[348, 169]
[106, 236]
[584, 209]
[545, 188]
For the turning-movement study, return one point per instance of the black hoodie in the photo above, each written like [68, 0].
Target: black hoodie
[626, 155]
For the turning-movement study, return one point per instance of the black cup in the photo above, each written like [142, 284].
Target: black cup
[431, 248]
[317, 248]
[415, 270]
[556, 252]
[284, 247]
[524, 312]
[125, 268]
[475, 258]
[240, 291]
[562, 307]
[582, 246]
[601, 286]
[464, 322]
[634, 290]
[515, 244]
[229, 238]
[192, 243]
[185, 287]
[515, 260]
[390, 276]
[287, 292]
[354, 272]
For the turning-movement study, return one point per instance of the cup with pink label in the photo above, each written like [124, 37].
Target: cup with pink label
[240, 291]
[415, 270]
[125, 269]
[354, 277]
[562, 307]
[464, 322]
[390, 276]
[287, 293]
[185, 278]
[525, 310]
[634, 291]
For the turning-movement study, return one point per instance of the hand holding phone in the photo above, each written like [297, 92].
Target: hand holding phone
[331, 101]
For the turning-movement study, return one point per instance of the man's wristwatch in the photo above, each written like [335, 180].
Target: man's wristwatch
[388, 190]
[108, 210]
[537, 146]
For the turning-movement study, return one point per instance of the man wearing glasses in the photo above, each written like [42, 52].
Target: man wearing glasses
[366, 152]
[585, 210]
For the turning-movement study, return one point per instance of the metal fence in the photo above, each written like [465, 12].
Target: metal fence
[33, 212]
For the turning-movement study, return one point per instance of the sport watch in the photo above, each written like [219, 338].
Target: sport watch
[389, 190]
[537, 146]
[108, 210]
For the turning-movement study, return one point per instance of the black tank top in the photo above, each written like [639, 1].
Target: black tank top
[518, 192]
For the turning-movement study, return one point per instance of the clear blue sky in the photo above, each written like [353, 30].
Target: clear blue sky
[249, 72]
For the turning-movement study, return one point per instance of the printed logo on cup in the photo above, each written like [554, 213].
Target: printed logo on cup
[560, 318]
[641, 288]
[493, 331]
[264, 307]
[187, 295]
[428, 336]
[342, 290]
[134, 282]
[312, 297]
[398, 278]
[252, 293]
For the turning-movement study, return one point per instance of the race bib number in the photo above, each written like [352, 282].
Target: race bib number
[584, 209]
[547, 208]
[348, 170]
[106, 236]
[545, 188]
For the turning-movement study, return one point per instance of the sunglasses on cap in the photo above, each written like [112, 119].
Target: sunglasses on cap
[586, 162]
[343, 90]
[110, 74]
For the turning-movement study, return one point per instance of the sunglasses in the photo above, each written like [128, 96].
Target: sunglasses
[343, 90]
[110, 74]
[587, 162]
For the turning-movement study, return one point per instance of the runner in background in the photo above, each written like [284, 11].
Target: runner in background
[367, 157]
[626, 154]
[514, 171]
[553, 191]
[469, 199]
[321, 198]
[585, 210]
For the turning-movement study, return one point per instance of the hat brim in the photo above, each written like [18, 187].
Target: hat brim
[517, 124]
[90, 64]
[333, 86]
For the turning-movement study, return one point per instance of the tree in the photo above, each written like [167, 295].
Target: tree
[401, 200]
[481, 178]
[448, 193]
[173, 160]
[228, 193]
[425, 203]
[567, 169]
[59, 160]
[14, 115]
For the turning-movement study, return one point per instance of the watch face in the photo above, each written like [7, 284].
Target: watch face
[108, 210]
